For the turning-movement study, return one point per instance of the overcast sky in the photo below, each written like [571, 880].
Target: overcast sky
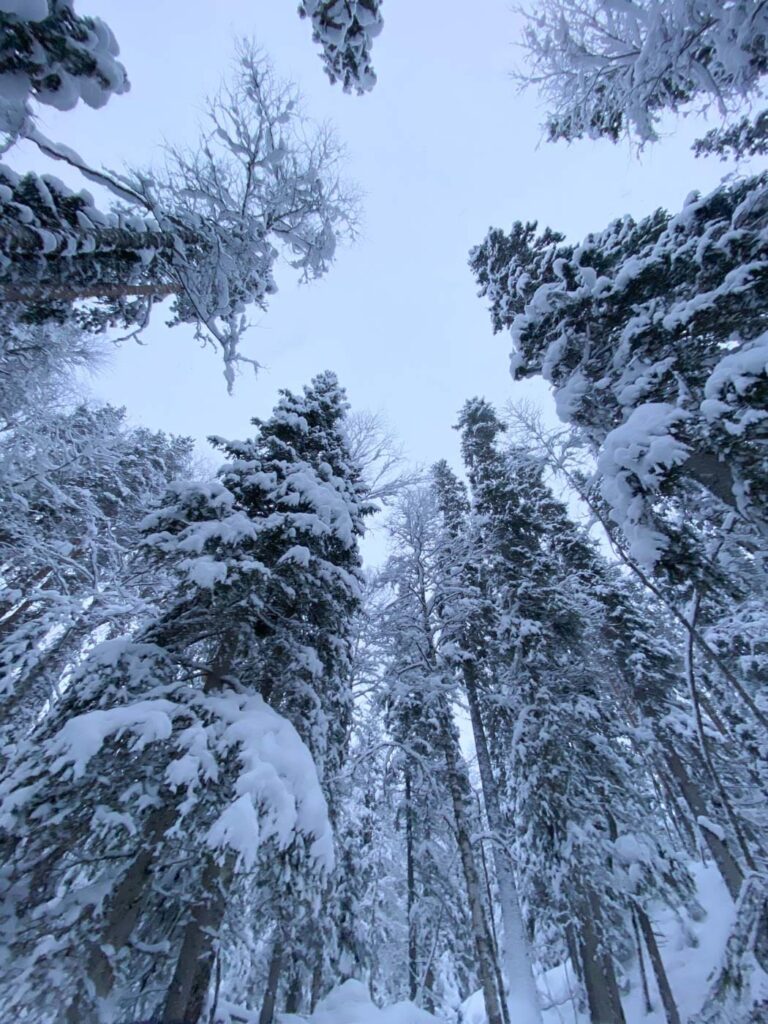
[443, 148]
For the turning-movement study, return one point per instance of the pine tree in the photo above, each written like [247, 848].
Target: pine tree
[652, 334]
[55, 57]
[345, 30]
[237, 700]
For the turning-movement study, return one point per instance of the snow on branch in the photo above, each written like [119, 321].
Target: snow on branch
[206, 229]
[345, 29]
[50, 55]
[611, 67]
[274, 793]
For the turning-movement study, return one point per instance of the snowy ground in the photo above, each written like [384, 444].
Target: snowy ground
[350, 1003]
[690, 952]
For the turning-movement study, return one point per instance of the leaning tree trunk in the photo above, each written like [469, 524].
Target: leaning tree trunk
[187, 993]
[123, 909]
[522, 997]
[662, 981]
[729, 868]
[597, 969]
[641, 964]
[727, 865]
[461, 800]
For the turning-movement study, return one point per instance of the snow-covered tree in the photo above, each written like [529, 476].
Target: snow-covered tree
[587, 851]
[206, 229]
[75, 486]
[181, 754]
[421, 690]
[747, 137]
[652, 334]
[40, 370]
[51, 55]
[345, 30]
[610, 67]
[468, 619]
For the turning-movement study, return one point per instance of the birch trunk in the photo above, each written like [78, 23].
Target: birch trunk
[462, 801]
[522, 997]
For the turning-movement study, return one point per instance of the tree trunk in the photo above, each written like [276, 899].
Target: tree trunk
[727, 864]
[123, 910]
[269, 1001]
[187, 993]
[715, 476]
[293, 998]
[598, 971]
[41, 292]
[662, 982]
[462, 801]
[317, 983]
[413, 966]
[641, 963]
[522, 997]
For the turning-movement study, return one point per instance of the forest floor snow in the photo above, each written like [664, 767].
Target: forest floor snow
[691, 952]
[351, 1003]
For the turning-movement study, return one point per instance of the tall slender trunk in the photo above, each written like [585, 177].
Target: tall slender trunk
[662, 981]
[597, 967]
[413, 965]
[641, 963]
[461, 800]
[269, 1001]
[728, 866]
[522, 997]
[501, 987]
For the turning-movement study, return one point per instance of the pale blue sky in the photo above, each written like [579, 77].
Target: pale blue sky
[443, 148]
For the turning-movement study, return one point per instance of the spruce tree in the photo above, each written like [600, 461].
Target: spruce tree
[423, 691]
[53, 56]
[345, 30]
[220, 717]
[652, 334]
[584, 810]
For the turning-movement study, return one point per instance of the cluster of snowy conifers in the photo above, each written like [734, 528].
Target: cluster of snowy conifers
[235, 771]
